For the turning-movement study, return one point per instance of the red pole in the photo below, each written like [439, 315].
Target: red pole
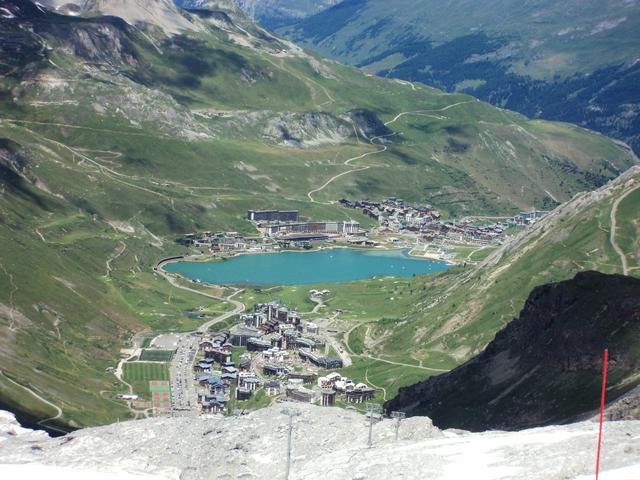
[602, 402]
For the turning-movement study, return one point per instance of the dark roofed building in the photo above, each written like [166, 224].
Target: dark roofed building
[306, 377]
[241, 334]
[274, 369]
[273, 215]
[272, 388]
[243, 393]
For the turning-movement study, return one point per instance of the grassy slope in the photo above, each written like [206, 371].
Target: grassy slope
[540, 48]
[463, 309]
[114, 169]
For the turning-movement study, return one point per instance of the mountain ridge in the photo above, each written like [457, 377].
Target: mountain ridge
[573, 62]
[545, 366]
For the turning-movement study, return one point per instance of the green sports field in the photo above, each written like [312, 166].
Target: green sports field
[156, 356]
[139, 374]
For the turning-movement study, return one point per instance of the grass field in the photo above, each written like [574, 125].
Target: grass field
[138, 375]
[156, 356]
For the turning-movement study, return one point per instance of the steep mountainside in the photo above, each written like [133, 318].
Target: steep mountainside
[119, 134]
[545, 366]
[328, 444]
[452, 317]
[574, 61]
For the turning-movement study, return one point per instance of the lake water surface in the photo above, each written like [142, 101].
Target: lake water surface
[340, 265]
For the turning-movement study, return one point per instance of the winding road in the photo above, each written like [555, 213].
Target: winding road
[347, 162]
[382, 150]
[420, 112]
[239, 307]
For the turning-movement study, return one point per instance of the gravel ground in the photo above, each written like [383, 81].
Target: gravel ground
[328, 443]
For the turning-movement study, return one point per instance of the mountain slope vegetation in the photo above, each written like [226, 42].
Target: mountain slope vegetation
[545, 366]
[573, 61]
[118, 135]
[464, 308]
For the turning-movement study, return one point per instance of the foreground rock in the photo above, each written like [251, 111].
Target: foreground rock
[328, 444]
[544, 367]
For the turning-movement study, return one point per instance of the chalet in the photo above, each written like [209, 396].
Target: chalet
[274, 369]
[214, 404]
[245, 363]
[229, 378]
[217, 387]
[328, 398]
[361, 393]
[220, 355]
[257, 345]
[300, 394]
[202, 367]
[306, 377]
[202, 379]
[251, 383]
[272, 388]
[243, 393]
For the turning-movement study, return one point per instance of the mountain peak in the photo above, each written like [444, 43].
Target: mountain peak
[160, 13]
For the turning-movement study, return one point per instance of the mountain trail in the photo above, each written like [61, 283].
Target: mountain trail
[58, 410]
[420, 112]
[347, 162]
[403, 364]
[612, 233]
[384, 390]
[114, 256]
[12, 293]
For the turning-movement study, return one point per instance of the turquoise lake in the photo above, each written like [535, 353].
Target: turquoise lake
[339, 265]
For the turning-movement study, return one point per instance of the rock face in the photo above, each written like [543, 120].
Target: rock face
[368, 123]
[626, 407]
[307, 129]
[545, 366]
[328, 443]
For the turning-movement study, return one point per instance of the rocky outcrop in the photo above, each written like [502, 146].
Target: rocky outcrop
[161, 14]
[367, 123]
[626, 407]
[544, 367]
[307, 129]
[328, 444]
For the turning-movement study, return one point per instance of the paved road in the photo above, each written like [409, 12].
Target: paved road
[183, 388]
[344, 356]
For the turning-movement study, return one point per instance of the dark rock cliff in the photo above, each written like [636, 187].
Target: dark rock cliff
[545, 366]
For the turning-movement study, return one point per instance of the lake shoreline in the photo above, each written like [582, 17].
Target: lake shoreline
[277, 268]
